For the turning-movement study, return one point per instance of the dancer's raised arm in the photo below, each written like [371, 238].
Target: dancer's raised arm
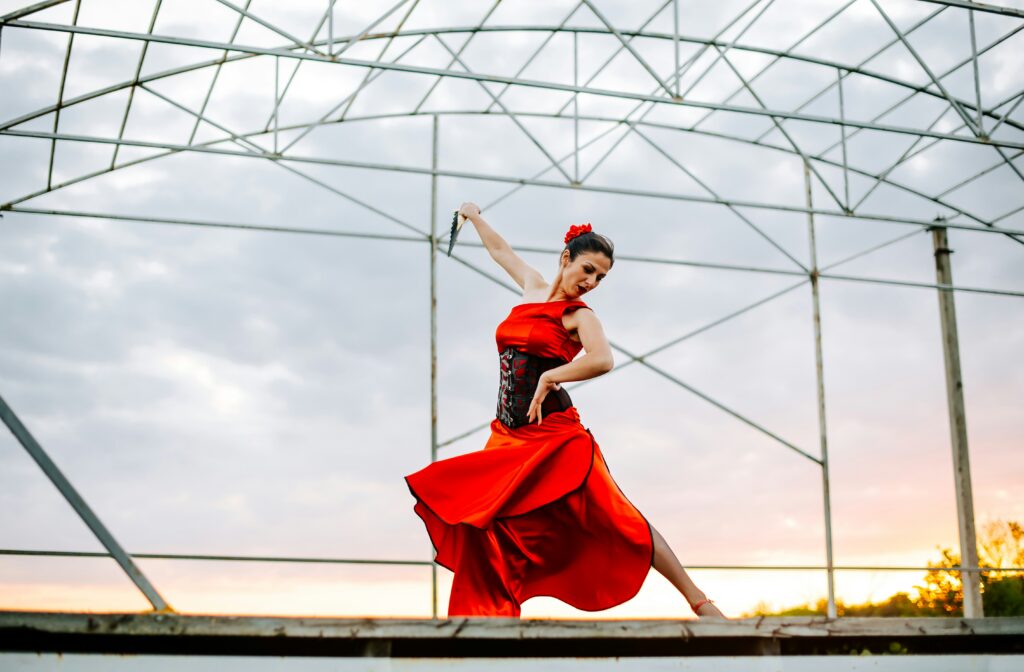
[527, 277]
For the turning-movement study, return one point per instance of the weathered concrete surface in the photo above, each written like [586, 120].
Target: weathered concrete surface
[276, 635]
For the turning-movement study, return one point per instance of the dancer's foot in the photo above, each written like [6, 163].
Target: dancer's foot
[710, 611]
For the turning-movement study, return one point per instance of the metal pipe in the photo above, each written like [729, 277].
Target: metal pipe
[977, 79]
[973, 607]
[135, 80]
[60, 95]
[366, 31]
[31, 9]
[256, 150]
[819, 370]
[746, 220]
[371, 74]
[330, 27]
[907, 154]
[277, 75]
[675, 43]
[657, 147]
[924, 66]
[575, 110]
[914, 89]
[720, 53]
[207, 149]
[298, 64]
[83, 510]
[820, 25]
[1011, 211]
[145, 219]
[923, 285]
[421, 563]
[508, 113]
[270, 26]
[980, 7]
[451, 62]
[216, 76]
[611, 56]
[540, 48]
[250, 52]
[842, 134]
[433, 328]
[625, 43]
[679, 72]
[222, 558]
[1006, 116]
[782, 130]
[630, 95]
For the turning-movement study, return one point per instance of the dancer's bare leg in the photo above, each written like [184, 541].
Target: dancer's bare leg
[666, 562]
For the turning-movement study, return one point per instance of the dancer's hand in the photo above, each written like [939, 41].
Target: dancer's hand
[544, 385]
[469, 208]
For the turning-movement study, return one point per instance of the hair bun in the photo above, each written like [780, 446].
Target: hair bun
[576, 230]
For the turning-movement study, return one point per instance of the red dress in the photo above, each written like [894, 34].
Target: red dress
[536, 512]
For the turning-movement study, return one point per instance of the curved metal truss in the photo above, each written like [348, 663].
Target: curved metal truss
[666, 97]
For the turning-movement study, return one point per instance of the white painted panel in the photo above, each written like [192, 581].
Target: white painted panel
[30, 662]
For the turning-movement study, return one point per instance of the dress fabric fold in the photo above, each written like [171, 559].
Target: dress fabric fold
[536, 511]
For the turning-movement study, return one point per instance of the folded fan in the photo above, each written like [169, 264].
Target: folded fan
[457, 222]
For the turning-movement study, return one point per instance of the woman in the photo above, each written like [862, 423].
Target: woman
[536, 512]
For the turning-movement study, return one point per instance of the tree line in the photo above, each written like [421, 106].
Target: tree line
[1000, 546]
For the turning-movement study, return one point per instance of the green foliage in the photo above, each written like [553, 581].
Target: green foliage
[1002, 593]
[1005, 597]
[1000, 545]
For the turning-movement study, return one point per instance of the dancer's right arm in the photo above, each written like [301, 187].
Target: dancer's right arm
[524, 275]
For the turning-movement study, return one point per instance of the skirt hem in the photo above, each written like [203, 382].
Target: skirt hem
[548, 502]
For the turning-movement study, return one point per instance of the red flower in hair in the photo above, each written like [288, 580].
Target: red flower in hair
[576, 230]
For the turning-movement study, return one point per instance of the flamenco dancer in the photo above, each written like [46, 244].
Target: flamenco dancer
[536, 511]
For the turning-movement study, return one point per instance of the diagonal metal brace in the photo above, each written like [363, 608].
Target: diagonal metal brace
[88, 516]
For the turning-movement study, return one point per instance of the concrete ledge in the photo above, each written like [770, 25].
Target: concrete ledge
[62, 632]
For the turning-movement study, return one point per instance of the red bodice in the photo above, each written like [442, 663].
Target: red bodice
[537, 328]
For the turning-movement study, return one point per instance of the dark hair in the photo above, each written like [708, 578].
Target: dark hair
[591, 241]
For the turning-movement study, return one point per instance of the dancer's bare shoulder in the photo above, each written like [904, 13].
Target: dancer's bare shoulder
[572, 319]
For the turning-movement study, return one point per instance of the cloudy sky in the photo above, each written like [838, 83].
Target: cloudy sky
[258, 391]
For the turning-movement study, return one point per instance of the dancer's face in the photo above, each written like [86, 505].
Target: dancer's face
[584, 273]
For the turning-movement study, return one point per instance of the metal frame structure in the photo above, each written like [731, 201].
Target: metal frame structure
[976, 124]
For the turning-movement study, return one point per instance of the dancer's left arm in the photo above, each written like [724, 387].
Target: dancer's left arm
[597, 360]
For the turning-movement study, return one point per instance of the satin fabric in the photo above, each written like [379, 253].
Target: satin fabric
[536, 511]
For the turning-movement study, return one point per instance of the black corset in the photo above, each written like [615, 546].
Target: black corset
[520, 373]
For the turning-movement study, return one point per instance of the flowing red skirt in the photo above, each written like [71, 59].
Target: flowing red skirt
[536, 512]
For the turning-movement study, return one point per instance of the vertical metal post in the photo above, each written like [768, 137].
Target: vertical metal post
[87, 515]
[277, 76]
[675, 40]
[330, 27]
[576, 109]
[842, 130]
[977, 81]
[433, 331]
[958, 427]
[819, 369]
